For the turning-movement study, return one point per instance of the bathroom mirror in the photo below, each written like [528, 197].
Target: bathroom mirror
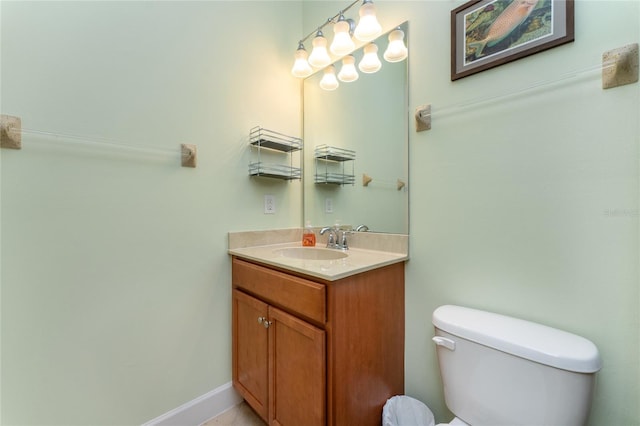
[367, 116]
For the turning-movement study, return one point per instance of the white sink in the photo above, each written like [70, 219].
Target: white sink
[312, 253]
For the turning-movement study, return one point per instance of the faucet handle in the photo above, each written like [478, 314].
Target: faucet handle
[362, 228]
[331, 239]
[343, 239]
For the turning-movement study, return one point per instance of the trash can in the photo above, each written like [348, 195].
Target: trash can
[403, 410]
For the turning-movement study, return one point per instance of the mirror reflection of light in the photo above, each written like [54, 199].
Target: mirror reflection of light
[329, 80]
[348, 72]
[370, 62]
[396, 50]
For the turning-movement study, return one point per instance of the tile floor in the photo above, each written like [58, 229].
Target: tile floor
[240, 415]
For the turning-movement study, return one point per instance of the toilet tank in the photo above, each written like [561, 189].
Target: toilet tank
[498, 370]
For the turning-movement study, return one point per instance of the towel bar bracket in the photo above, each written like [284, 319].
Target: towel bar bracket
[10, 132]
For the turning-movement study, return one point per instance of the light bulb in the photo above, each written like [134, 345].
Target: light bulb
[370, 62]
[396, 50]
[368, 26]
[329, 80]
[348, 72]
[319, 57]
[342, 43]
[301, 67]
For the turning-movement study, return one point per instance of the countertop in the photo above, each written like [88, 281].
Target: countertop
[358, 260]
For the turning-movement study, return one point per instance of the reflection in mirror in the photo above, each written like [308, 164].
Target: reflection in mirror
[368, 116]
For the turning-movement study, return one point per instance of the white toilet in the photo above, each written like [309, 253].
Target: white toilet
[497, 370]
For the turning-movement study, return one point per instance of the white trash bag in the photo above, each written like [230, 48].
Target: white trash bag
[406, 411]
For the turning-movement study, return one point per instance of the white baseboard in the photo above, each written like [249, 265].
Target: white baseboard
[201, 409]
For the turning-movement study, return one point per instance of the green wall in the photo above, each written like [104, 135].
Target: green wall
[525, 201]
[115, 277]
[528, 205]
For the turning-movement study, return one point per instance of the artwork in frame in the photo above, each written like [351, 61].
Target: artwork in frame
[488, 33]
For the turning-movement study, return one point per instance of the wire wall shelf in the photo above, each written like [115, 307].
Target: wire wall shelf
[268, 145]
[276, 171]
[332, 165]
[269, 139]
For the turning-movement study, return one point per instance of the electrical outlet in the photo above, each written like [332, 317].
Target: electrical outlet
[328, 205]
[269, 204]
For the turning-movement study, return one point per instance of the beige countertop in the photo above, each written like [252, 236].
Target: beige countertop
[367, 251]
[357, 260]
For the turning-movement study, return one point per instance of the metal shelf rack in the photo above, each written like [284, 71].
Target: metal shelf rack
[331, 165]
[267, 142]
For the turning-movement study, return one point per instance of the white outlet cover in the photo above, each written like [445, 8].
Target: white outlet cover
[328, 205]
[269, 204]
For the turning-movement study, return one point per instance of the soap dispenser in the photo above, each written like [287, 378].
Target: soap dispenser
[308, 236]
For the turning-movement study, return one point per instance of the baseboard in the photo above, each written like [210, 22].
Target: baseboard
[201, 409]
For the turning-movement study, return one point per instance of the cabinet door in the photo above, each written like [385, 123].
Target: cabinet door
[250, 351]
[297, 371]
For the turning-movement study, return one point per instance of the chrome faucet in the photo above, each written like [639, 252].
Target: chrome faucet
[331, 239]
[337, 238]
[343, 240]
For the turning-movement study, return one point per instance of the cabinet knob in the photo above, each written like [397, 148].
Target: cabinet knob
[263, 321]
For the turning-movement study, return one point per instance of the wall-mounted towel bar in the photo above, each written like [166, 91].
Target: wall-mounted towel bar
[619, 67]
[398, 184]
[11, 132]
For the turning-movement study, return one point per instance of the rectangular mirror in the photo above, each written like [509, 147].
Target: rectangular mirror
[369, 117]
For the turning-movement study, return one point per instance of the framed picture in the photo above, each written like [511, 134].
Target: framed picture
[488, 33]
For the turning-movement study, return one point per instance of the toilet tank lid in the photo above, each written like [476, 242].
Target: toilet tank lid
[536, 342]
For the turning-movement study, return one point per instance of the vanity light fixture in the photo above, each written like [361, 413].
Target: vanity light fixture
[370, 62]
[368, 26]
[342, 42]
[319, 57]
[301, 67]
[396, 50]
[348, 72]
[343, 45]
[329, 80]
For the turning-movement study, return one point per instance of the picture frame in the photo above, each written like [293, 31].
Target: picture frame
[489, 33]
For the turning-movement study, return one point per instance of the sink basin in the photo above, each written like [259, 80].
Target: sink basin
[312, 253]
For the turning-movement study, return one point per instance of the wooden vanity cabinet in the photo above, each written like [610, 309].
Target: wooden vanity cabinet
[312, 352]
[279, 363]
